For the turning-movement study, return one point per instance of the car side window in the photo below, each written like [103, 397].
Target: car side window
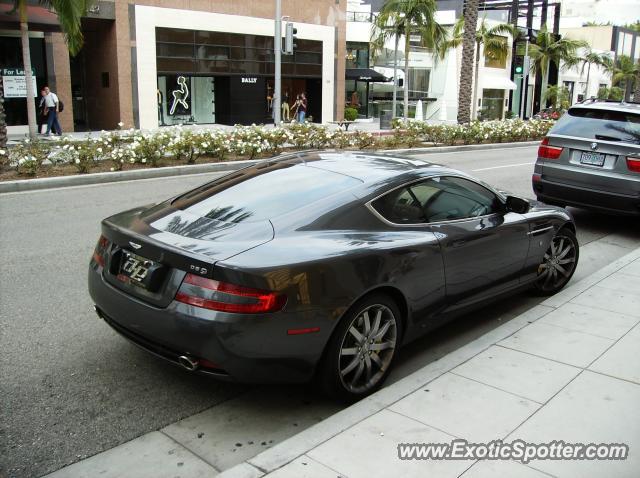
[459, 198]
[436, 199]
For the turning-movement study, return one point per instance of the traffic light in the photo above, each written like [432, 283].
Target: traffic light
[519, 63]
[290, 38]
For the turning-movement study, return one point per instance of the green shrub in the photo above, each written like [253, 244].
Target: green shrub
[350, 114]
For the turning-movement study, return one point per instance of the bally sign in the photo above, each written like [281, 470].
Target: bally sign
[249, 80]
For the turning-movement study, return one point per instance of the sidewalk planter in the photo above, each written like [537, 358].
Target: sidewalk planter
[118, 150]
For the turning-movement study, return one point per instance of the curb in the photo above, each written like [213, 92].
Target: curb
[296, 446]
[117, 176]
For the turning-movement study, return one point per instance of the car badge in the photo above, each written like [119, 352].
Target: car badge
[134, 245]
[594, 146]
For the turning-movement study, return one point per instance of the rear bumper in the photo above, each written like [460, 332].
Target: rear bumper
[571, 195]
[244, 348]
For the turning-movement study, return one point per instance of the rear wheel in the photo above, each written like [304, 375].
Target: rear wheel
[559, 263]
[360, 353]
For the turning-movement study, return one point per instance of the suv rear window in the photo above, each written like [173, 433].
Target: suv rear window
[596, 123]
[255, 195]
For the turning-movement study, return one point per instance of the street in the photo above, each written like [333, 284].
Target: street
[71, 387]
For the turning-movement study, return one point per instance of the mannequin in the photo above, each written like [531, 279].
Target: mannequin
[285, 107]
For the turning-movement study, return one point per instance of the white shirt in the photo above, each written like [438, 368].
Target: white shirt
[51, 100]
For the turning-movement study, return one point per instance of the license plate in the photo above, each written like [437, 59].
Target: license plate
[136, 270]
[592, 159]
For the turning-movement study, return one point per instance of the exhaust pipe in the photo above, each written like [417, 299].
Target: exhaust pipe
[189, 363]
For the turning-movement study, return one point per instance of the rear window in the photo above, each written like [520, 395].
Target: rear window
[262, 194]
[595, 123]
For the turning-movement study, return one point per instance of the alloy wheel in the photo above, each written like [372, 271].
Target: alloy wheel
[558, 264]
[367, 348]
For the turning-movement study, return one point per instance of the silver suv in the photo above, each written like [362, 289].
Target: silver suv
[591, 159]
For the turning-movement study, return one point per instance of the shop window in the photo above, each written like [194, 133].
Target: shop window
[419, 82]
[492, 104]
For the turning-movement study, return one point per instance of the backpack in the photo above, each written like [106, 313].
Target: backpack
[60, 106]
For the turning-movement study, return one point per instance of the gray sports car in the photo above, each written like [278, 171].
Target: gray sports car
[319, 265]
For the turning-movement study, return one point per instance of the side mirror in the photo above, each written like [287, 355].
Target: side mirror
[517, 205]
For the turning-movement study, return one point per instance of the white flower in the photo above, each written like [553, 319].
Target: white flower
[99, 150]
[77, 160]
[144, 160]
[113, 169]
[2, 152]
[120, 124]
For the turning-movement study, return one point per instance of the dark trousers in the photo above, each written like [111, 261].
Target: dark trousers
[52, 122]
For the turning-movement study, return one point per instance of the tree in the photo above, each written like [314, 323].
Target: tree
[550, 48]
[70, 13]
[492, 38]
[624, 73]
[558, 96]
[409, 17]
[466, 70]
[3, 123]
[592, 57]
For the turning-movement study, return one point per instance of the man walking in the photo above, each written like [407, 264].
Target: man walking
[51, 107]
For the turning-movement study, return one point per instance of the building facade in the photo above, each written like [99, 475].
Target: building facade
[160, 62]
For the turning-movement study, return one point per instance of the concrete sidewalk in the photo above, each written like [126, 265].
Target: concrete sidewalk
[565, 370]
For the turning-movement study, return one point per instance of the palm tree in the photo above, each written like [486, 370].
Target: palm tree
[495, 47]
[69, 14]
[3, 124]
[466, 70]
[558, 96]
[409, 17]
[591, 57]
[625, 72]
[549, 48]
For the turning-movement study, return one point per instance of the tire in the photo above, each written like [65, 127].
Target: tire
[349, 371]
[559, 263]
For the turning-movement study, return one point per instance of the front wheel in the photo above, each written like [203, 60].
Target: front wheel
[359, 355]
[559, 263]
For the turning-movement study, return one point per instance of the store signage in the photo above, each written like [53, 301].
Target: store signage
[15, 84]
[249, 80]
[180, 95]
[364, 78]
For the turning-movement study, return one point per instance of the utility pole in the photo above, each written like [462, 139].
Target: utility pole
[277, 51]
[395, 77]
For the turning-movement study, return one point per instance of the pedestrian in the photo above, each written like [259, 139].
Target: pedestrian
[41, 118]
[296, 107]
[51, 109]
[302, 108]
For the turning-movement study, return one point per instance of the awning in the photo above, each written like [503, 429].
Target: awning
[365, 74]
[491, 82]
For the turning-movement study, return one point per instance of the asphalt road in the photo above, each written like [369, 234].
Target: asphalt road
[70, 387]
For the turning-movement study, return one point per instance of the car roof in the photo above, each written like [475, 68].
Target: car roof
[369, 167]
[609, 106]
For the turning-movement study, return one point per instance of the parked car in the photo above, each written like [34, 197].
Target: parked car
[319, 265]
[591, 159]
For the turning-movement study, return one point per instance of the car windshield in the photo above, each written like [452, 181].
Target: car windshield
[259, 194]
[596, 123]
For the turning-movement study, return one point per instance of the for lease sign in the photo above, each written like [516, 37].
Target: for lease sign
[15, 84]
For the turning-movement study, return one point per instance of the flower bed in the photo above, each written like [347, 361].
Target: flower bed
[133, 149]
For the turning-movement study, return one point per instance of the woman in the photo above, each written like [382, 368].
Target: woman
[302, 108]
[296, 107]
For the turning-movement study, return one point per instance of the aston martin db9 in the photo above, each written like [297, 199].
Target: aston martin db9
[320, 265]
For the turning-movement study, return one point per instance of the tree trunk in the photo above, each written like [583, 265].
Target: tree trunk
[474, 101]
[586, 87]
[394, 103]
[407, 46]
[3, 123]
[26, 63]
[636, 90]
[466, 69]
[543, 88]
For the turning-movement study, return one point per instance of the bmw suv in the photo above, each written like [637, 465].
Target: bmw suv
[591, 159]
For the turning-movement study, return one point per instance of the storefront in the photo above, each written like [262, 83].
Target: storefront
[227, 78]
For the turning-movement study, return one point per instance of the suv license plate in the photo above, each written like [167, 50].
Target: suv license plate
[592, 159]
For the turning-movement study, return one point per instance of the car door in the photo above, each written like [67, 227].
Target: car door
[484, 247]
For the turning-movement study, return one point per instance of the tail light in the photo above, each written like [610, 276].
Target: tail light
[100, 251]
[224, 297]
[548, 152]
[633, 164]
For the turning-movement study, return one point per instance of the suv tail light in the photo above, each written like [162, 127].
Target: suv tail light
[224, 297]
[633, 164]
[100, 250]
[548, 152]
